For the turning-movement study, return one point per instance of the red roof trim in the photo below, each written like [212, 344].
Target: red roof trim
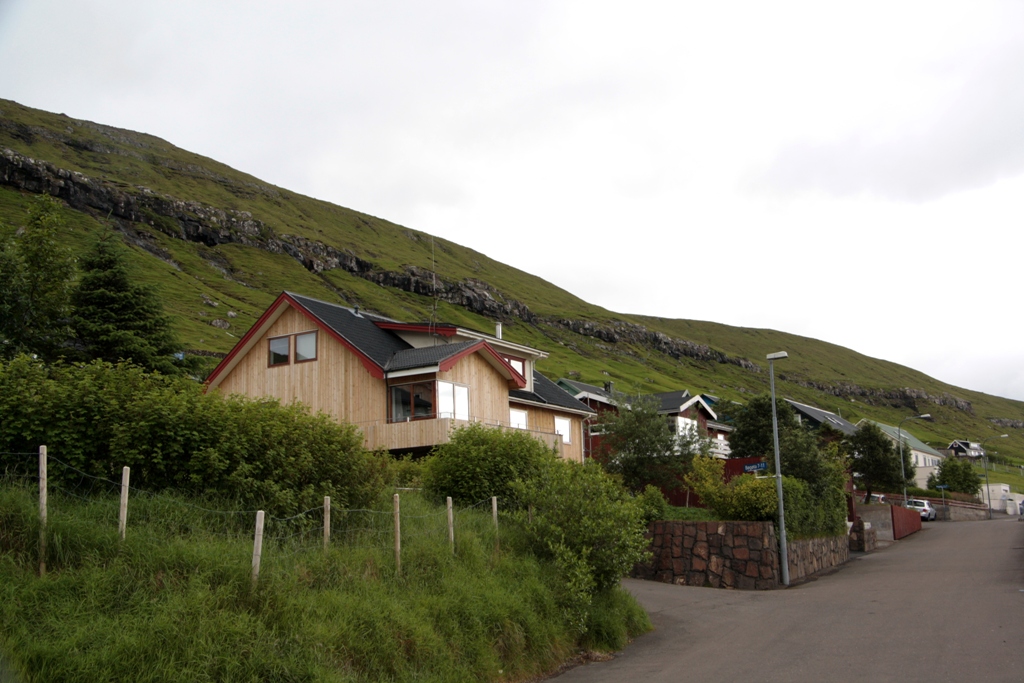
[442, 330]
[257, 328]
[481, 346]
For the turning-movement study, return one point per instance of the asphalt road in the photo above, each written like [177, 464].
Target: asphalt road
[946, 604]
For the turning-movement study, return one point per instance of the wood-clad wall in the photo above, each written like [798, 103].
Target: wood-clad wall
[336, 383]
[543, 420]
[488, 390]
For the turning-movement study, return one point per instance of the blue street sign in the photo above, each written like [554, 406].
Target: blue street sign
[942, 486]
[755, 467]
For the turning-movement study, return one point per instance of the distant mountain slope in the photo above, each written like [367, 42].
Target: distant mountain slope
[220, 245]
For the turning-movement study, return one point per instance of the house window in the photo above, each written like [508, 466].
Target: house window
[517, 418]
[305, 347]
[280, 348]
[412, 401]
[563, 426]
[518, 364]
[452, 400]
[279, 351]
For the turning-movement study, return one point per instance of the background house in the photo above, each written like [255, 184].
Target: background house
[405, 385]
[925, 458]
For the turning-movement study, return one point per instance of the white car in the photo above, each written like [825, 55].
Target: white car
[924, 507]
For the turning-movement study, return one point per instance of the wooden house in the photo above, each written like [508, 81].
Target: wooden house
[405, 385]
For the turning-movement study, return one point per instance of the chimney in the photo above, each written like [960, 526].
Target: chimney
[497, 330]
[609, 386]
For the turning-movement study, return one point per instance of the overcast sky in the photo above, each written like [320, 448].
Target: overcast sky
[851, 172]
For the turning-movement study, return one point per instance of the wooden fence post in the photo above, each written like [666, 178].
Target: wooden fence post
[42, 510]
[257, 548]
[494, 513]
[451, 525]
[398, 539]
[122, 516]
[327, 522]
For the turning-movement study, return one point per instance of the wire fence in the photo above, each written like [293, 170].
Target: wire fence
[283, 539]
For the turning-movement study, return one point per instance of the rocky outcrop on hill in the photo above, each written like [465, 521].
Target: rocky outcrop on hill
[898, 398]
[208, 225]
[631, 333]
[1006, 423]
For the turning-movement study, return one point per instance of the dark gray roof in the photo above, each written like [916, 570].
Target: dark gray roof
[671, 400]
[356, 328]
[820, 417]
[546, 391]
[588, 388]
[426, 356]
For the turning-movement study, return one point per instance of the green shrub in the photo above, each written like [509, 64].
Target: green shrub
[579, 512]
[653, 504]
[479, 462]
[98, 417]
[748, 498]
[407, 472]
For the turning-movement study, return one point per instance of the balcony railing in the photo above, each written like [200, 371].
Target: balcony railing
[426, 432]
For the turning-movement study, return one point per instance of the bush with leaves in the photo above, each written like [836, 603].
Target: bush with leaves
[653, 504]
[639, 446]
[956, 473]
[748, 498]
[479, 462]
[587, 523]
[98, 417]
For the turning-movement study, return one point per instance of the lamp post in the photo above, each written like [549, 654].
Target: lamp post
[984, 461]
[899, 437]
[783, 548]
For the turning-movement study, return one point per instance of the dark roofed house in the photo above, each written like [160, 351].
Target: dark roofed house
[961, 448]
[405, 385]
[816, 417]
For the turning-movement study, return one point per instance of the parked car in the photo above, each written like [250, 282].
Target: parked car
[924, 507]
[876, 499]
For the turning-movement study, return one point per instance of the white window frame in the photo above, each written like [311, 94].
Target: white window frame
[513, 413]
[452, 400]
[565, 429]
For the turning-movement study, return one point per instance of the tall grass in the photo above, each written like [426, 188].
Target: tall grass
[175, 600]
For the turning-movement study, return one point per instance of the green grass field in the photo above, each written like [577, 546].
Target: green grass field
[175, 601]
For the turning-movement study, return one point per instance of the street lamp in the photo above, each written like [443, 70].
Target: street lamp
[984, 461]
[783, 549]
[899, 437]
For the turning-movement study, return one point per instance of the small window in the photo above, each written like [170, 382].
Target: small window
[279, 351]
[305, 347]
[563, 426]
[518, 364]
[517, 418]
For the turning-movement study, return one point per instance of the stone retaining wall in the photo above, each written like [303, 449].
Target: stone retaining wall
[733, 555]
[716, 554]
[812, 555]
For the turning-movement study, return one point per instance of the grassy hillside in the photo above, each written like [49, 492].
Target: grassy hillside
[241, 278]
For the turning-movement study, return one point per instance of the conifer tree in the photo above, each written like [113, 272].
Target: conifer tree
[36, 274]
[116, 318]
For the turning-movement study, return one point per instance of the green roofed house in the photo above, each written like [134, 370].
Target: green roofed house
[925, 458]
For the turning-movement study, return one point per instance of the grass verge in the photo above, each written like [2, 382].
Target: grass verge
[175, 600]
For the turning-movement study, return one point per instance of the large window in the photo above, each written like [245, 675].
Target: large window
[517, 418]
[412, 401]
[452, 400]
[423, 400]
[563, 426]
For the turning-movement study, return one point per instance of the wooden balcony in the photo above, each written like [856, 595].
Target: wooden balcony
[407, 435]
